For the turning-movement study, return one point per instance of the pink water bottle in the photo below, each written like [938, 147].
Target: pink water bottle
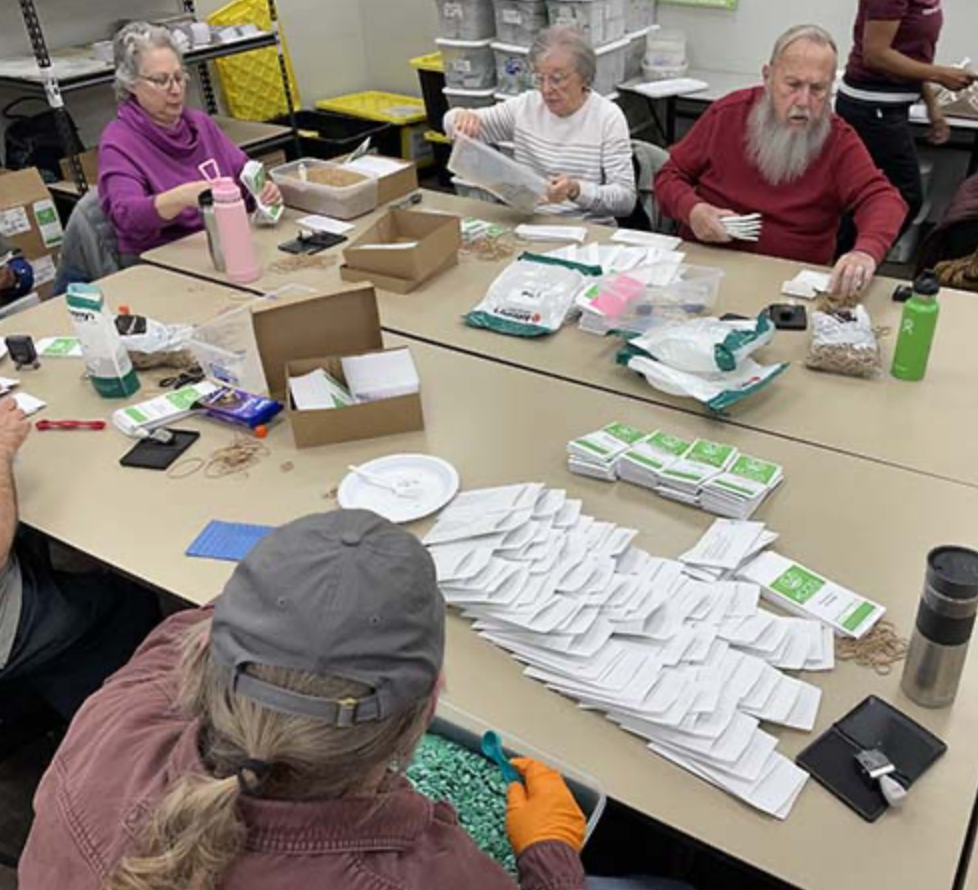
[235, 231]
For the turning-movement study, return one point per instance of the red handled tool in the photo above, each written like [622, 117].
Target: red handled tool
[70, 425]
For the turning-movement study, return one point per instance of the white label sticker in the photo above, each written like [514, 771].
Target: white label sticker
[512, 17]
[48, 222]
[463, 66]
[44, 270]
[14, 222]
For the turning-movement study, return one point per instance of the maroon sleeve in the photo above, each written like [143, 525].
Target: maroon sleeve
[886, 10]
[865, 192]
[550, 865]
[675, 183]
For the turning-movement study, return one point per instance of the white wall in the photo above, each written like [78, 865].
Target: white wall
[395, 31]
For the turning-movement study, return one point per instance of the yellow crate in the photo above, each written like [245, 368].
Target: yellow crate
[435, 136]
[430, 62]
[252, 82]
[373, 105]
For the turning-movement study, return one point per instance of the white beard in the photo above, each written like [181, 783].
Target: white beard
[782, 154]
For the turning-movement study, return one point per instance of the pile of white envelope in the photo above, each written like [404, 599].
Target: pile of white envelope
[675, 651]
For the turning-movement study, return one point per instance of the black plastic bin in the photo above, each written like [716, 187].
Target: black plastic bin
[326, 134]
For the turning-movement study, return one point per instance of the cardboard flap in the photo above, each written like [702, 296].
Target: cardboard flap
[22, 187]
[306, 327]
[437, 235]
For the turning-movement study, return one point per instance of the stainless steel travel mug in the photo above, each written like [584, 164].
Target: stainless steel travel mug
[205, 201]
[945, 619]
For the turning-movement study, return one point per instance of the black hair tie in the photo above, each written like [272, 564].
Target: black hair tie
[261, 769]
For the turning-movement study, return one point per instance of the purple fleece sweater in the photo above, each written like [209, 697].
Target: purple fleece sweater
[138, 159]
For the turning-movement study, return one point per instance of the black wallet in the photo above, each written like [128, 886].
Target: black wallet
[148, 454]
[873, 724]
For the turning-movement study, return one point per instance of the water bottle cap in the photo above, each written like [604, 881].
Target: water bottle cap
[225, 190]
[953, 572]
[926, 285]
[205, 199]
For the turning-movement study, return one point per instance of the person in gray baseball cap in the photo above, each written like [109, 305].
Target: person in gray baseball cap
[262, 743]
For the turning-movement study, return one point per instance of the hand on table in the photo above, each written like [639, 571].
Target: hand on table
[852, 274]
[562, 188]
[467, 123]
[14, 428]
[542, 809]
[704, 220]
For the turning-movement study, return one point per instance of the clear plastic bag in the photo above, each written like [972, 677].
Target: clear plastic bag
[844, 342]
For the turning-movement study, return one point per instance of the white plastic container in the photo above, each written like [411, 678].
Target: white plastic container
[466, 19]
[665, 55]
[519, 21]
[470, 98]
[513, 72]
[227, 351]
[469, 64]
[465, 729]
[600, 21]
[611, 66]
[343, 202]
[639, 14]
[694, 294]
[479, 164]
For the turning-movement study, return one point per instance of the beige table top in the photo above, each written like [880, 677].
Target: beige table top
[912, 425]
[874, 541]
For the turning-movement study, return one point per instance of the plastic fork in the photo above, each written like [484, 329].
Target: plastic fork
[403, 488]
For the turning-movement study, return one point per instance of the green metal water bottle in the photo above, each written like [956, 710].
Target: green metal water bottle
[917, 328]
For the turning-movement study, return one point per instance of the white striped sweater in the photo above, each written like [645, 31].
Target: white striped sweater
[591, 145]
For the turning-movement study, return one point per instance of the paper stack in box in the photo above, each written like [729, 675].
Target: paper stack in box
[595, 454]
[742, 489]
[687, 664]
[682, 480]
[381, 375]
[648, 457]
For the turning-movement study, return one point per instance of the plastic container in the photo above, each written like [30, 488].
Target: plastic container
[513, 72]
[694, 294]
[327, 134]
[466, 19]
[431, 75]
[470, 98]
[464, 729]
[469, 64]
[639, 14]
[611, 66]
[107, 362]
[600, 21]
[636, 53]
[226, 349]
[478, 164]
[467, 190]
[665, 55]
[237, 247]
[343, 202]
[519, 21]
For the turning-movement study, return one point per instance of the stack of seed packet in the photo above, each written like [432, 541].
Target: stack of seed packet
[596, 453]
[711, 475]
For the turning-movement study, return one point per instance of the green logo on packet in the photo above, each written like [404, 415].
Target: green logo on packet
[751, 468]
[670, 444]
[61, 346]
[713, 454]
[624, 432]
[798, 585]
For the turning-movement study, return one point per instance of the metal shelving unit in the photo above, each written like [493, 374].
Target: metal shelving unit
[48, 84]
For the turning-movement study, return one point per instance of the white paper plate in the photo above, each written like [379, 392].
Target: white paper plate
[438, 484]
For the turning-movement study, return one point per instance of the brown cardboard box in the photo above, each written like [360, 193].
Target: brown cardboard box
[397, 184]
[29, 221]
[89, 165]
[436, 238]
[299, 335]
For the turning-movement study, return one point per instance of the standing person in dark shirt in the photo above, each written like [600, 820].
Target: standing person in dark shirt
[890, 67]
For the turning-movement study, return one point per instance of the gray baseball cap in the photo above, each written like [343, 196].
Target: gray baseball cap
[345, 594]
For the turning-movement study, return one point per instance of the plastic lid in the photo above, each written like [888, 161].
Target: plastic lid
[225, 190]
[464, 44]
[511, 48]
[124, 309]
[953, 572]
[478, 94]
[205, 198]
[611, 47]
[926, 285]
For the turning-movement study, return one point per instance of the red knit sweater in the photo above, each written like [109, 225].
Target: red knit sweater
[801, 218]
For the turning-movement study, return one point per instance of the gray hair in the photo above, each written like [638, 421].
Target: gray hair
[567, 38]
[131, 42]
[813, 33]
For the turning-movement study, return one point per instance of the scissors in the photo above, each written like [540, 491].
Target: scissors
[184, 378]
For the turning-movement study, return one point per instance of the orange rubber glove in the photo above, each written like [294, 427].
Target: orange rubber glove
[542, 809]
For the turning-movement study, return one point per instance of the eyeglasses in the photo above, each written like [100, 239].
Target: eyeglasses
[557, 81]
[163, 82]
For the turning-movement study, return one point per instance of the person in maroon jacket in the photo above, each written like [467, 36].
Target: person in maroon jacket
[778, 151]
[891, 66]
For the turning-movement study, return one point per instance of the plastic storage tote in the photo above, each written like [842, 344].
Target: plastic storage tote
[464, 729]
[466, 19]
[636, 53]
[513, 72]
[325, 134]
[470, 98]
[519, 21]
[611, 66]
[431, 74]
[226, 349]
[600, 21]
[478, 164]
[469, 64]
[665, 55]
[296, 181]
[639, 14]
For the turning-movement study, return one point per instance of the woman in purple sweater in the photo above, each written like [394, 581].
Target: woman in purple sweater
[149, 156]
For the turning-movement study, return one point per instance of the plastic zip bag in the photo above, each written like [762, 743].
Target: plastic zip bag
[844, 342]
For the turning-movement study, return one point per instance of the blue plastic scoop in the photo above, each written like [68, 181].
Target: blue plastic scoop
[492, 747]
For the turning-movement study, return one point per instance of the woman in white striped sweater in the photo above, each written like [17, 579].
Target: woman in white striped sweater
[565, 131]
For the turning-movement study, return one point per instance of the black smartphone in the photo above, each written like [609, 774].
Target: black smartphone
[788, 317]
[149, 454]
[313, 243]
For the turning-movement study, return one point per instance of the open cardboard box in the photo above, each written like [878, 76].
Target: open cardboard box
[298, 335]
[400, 177]
[30, 222]
[435, 239]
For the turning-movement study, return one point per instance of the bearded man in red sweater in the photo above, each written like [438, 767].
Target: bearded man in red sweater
[778, 150]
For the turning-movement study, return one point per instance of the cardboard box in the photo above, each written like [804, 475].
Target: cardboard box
[298, 335]
[435, 239]
[89, 165]
[29, 221]
[400, 182]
